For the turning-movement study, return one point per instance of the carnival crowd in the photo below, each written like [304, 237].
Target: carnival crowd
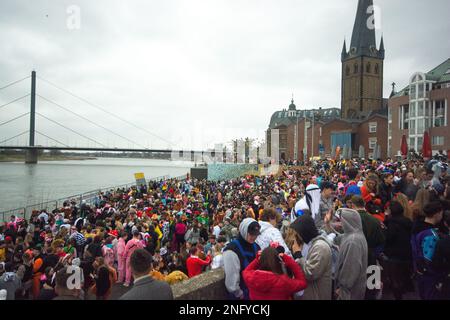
[345, 230]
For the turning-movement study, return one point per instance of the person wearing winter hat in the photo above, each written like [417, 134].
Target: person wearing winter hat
[317, 265]
[237, 255]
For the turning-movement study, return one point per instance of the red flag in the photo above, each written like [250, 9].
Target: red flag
[426, 146]
[404, 147]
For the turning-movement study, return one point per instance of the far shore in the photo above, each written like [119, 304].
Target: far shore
[21, 158]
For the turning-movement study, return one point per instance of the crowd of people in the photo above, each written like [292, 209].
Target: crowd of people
[346, 230]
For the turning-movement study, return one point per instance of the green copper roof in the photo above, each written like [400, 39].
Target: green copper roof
[441, 73]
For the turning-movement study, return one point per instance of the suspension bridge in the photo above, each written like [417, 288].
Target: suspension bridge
[32, 150]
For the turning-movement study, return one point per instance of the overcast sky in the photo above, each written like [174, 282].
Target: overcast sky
[195, 72]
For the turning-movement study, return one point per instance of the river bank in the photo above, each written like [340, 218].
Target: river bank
[22, 184]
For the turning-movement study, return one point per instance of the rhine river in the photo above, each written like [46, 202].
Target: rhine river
[23, 184]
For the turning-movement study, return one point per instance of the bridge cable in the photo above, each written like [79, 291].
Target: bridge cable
[4, 105]
[13, 83]
[52, 139]
[90, 121]
[14, 137]
[23, 115]
[105, 111]
[81, 135]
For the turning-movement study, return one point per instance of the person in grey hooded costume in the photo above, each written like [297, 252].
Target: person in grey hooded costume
[10, 282]
[351, 274]
[317, 265]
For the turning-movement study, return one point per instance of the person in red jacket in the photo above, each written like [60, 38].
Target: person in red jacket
[371, 195]
[194, 264]
[267, 279]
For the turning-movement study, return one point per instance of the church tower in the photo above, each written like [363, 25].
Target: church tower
[362, 66]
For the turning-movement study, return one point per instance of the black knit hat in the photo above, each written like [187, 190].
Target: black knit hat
[305, 227]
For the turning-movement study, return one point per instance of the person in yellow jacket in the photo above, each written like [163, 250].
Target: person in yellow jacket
[159, 233]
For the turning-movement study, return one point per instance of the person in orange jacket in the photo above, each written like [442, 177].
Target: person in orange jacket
[38, 269]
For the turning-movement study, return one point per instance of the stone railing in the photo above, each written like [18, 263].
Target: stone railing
[209, 285]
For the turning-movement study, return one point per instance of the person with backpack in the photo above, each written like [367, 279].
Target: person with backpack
[238, 254]
[441, 259]
[424, 238]
[317, 265]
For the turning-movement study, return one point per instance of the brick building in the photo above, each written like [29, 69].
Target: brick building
[363, 117]
[421, 106]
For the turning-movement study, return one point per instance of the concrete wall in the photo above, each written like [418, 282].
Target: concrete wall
[199, 173]
[209, 285]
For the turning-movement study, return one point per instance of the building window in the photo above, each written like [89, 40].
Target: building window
[420, 126]
[412, 110]
[376, 69]
[404, 117]
[439, 113]
[412, 92]
[372, 127]
[320, 131]
[372, 143]
[420, 109]
[421, 90]
[368, 67]
[412, 127]
[355, 68]
[437, 141]
[347, 70]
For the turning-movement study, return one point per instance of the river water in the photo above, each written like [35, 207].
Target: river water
[24, 184]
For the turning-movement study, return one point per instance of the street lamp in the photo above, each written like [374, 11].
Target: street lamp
[312, 121]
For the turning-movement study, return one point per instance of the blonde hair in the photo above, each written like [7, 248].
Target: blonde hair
[291, 237]
[422, 198]
[407, 210]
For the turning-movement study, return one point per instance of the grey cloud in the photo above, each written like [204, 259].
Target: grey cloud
[171, 66]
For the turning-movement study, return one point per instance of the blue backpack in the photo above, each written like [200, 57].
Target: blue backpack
[423, 247]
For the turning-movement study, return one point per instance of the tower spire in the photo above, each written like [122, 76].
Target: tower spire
[381, 51]
[344, 51]
[363, 37]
